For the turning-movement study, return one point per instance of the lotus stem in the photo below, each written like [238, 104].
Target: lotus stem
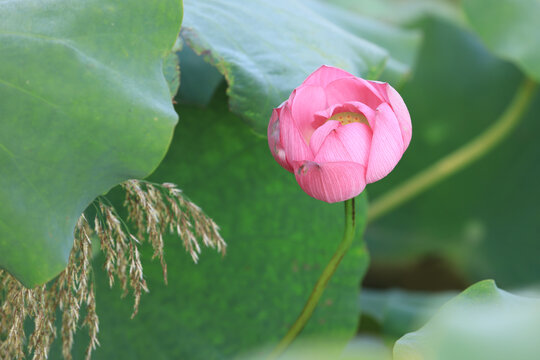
[322, 282]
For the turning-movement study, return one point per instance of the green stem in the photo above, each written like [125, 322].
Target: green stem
[321, 284]
[460, 158]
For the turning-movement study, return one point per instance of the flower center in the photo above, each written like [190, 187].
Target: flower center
[349, 117]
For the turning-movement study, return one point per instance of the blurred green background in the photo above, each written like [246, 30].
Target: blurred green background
[456, 73]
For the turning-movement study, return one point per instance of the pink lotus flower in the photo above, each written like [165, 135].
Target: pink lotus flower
[338, 132]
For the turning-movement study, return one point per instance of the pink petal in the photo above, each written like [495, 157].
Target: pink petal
[332, 149]
[381, 89]
[402, 114]
[386, 144]
[395, 100]
[352, 89]
[274, 141]
[295, 146]
[351, 106]
[331, 182]
[321, 133]
[324, 75]
[335, 142]
[356, 138]
[305, 101]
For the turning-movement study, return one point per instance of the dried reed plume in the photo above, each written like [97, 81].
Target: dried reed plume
[153, 209]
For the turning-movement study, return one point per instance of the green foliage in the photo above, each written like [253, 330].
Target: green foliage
[171, 68]
[83, 106]
[402, 12]
[279, 240]
[199, 79]
[323, 348]
[482, 323]
[482, 218]
[397, 312]
[510, 29]
[401, 44]
[265, 49]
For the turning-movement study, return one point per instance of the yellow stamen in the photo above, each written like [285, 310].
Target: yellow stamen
[349, 117]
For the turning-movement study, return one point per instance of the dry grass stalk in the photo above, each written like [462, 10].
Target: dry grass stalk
[67, 292]
[153, 209]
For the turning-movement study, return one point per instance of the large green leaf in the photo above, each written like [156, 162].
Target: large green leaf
[510, 28]
[278, 239]
[401, 44]
[482, 323]
[485, 219]
[83, 106]
[397, 312]
[402, 11]
[266, 49]
[392, 313]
